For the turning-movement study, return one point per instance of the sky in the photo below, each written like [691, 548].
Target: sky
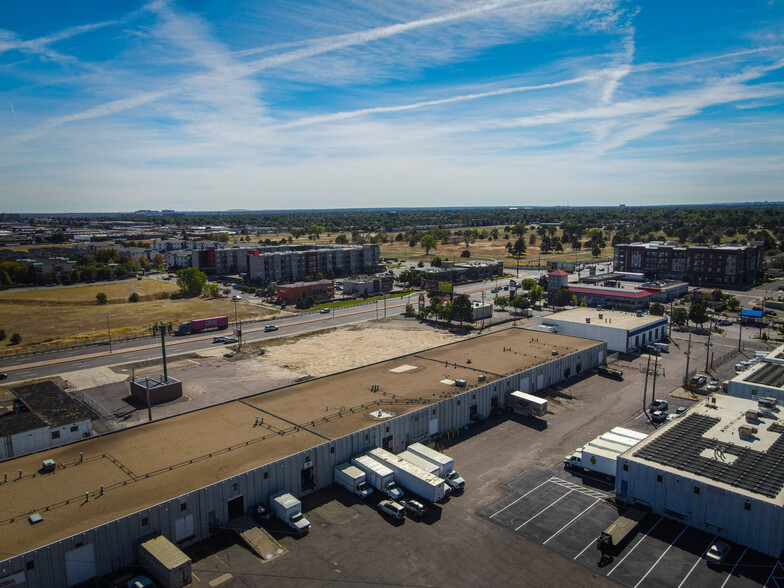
[218, 105]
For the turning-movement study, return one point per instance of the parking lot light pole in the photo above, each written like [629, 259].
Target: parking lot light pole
[237, 326]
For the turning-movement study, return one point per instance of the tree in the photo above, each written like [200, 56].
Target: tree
[657, 309]
[158, 261]
[436, 261]
[211, 290]
[134, 297]
[428, 242]
[468, 237]
[733, 304]
[528, 283]
[101, 298]
[341, 239]
[462, 310]
[596, 251]
[409, 311]
[521, 303]
[698, 313]
[501, 302]
[517, 250]
[315, 231]
[520, 230]
[680, 316]
[16, 339]
[191, 281]
[564, 297]
[543, 282]
[465, 253]
[535, 294]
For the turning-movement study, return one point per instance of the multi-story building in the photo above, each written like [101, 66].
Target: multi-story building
[46, 269]
[721, 265]
[289, 263]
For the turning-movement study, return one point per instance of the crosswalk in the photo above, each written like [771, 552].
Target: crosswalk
[578, 488]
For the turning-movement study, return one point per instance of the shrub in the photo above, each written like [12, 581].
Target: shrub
[101, 298]
[134, 297]
[16, 339]
[2, 334]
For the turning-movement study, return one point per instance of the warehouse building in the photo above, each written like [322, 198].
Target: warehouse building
[718, 468]
[623, 331]
[182, 475]
[765, 379]
[620, 298]
[40, 416]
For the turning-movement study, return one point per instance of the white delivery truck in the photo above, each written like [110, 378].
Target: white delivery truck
[164, 561]
[527, 404]
[289, 510]
[378, 476]
[593, 459]
[353, 479]
[411, 477]
[446, 465]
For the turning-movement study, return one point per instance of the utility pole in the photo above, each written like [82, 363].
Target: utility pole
[708, 344]
[385, 305]
[740, 330]
[109, 332]
[688, 358]
[162, 328]
[669, 330]
[645, 391]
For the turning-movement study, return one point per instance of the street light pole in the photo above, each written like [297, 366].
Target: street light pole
[109, 333]
[237, 327]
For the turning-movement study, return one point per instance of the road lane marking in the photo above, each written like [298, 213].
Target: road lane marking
[650, 569]
[733, 568]
[635, 546]
[519, 499]
[698, 561]
[544, 509]
[574, 519]
[584, 548]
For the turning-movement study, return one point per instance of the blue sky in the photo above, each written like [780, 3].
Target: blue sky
[215, 105]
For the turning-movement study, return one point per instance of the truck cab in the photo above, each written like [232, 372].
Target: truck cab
[393, 491]
[454, 481]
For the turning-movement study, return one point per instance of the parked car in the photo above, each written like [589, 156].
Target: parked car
[269, 328]
[140, 582]
[699, 380]
[236, 298]
[230, 340]
[713, 386]
[494, 290]
[414, 507]
[681, 410]
[658, 405]
[717, 553]
[219, 339]
[324, 311]
[658, 416]
[725, 322]
[392, 509]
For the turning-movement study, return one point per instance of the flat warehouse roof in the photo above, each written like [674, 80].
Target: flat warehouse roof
[149, 464]
[707, 444]
[610, 318]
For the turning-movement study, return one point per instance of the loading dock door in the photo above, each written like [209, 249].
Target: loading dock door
[236, 507]
[432, 428]
[80, 564]
[183, 528]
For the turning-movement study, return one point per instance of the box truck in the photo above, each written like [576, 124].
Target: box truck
[289, 510]
[618, 531]
[378, 476]
[593, 459]
[527, 404]
[200, 325]
[353, 479]
[446, 465]
[411, 477]
[164, 561]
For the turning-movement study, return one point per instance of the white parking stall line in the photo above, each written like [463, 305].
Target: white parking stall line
[615, 567]
[650, 569]
[519, 499]
[698, 561]
[584, 548]
[776, 565]
[570, 522]
[733, 568]
[544, 509]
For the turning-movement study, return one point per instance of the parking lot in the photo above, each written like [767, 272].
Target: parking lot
[566, 513]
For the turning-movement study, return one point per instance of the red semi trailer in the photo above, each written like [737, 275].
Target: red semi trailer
[200, 325]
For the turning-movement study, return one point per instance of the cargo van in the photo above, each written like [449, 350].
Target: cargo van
[661, 347]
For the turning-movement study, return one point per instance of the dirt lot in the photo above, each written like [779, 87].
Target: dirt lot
[68, 314]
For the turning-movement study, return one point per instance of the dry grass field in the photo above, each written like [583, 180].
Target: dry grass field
[69, 314]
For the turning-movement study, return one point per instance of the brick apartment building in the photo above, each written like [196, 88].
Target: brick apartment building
[720, 265]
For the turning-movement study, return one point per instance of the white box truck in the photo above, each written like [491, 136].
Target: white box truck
[289, 510]
[593, 459]
[164, 561]
[446, 465]
[378, 476]
[413, 478]
[527, 404]
[353, 479]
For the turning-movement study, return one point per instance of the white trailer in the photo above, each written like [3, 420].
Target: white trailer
[527, 404]
[420, 462]
[289, 510]
[601, 444]
[353, 479]
[629, 433]
[411, 477]
[445, 464]
[620, 439]
[379, 476]
[164, 561]
[593, 459]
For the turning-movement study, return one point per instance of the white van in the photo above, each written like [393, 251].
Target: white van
[661, 347]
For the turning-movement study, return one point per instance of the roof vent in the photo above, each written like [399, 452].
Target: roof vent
[482, 377]
[588, 319]
[35, 518]
[601, 316]
[460, 383]
[747, 431]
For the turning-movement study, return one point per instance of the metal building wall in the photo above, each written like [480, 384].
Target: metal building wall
[716, 510]
[207, 507]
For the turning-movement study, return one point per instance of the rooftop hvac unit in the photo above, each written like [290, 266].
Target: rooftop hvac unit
[601, 316]
[460, 383]
[747, 431]
[482, 377]
[588, 320]
[766, 402]
[712, 401]
[752, 415]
